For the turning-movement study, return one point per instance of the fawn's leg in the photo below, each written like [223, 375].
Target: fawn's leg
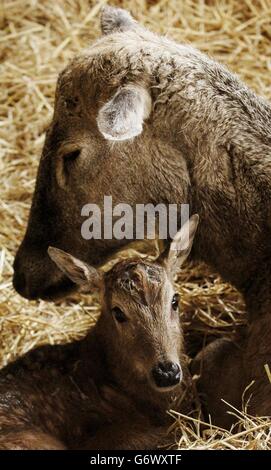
[29, 439]
[219, 367]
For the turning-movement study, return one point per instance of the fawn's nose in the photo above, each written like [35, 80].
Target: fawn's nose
[167, 374]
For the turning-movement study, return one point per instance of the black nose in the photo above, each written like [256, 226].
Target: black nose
[167, 374]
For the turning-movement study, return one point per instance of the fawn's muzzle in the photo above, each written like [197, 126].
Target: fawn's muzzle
[167, 374]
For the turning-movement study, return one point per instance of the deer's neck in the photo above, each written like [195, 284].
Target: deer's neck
[201, 106]
[222, 131]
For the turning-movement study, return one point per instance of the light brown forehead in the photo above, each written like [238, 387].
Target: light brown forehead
[139, 279]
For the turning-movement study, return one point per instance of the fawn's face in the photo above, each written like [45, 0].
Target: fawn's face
[139, 321]
[141, 310]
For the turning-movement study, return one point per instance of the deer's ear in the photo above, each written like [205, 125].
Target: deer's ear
[85, 276]
[180, 247]
[116, 19]
[122, 117]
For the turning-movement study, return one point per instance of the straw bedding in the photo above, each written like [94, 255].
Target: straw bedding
[36, 39]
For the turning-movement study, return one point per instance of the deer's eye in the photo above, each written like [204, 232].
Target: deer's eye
[175, 301]
[69, 159]
[71, 156]
[119, 315]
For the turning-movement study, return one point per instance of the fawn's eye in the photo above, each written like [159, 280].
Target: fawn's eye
[119, 315]
[175, 301]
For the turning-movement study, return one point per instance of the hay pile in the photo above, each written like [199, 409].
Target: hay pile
[36, 40]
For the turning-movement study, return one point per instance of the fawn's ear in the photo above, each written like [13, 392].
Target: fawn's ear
[116, 19]
[122, 117]
[180, 247]
[85, 276]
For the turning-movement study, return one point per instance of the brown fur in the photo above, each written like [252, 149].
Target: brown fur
[205, 141]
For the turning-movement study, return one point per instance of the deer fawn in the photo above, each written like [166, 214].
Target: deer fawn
[112, 389]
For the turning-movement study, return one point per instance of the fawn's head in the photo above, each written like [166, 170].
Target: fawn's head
[139, 323]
